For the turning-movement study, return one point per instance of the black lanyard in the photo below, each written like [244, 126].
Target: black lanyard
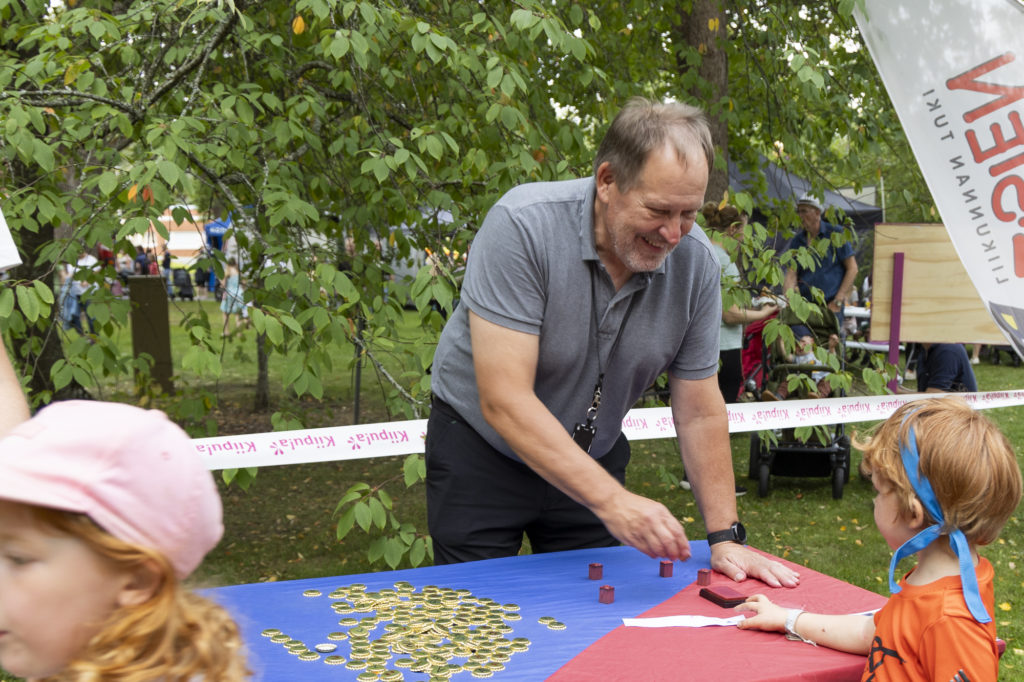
[595, 403]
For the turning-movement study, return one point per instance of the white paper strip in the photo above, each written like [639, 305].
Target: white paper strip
[680, 621]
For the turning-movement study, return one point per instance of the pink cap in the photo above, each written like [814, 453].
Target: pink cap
[135, 473]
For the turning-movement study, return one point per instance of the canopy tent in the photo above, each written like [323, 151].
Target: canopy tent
[782, 187]
[215, 230]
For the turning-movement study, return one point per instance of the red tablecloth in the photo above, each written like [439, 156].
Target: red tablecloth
[726, 653]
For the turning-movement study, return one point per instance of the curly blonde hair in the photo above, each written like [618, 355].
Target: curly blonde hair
[175, 636]
[966, 458]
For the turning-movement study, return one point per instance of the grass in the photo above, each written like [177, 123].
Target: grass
[282, 527]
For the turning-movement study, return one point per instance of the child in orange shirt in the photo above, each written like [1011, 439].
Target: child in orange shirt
[947, 481]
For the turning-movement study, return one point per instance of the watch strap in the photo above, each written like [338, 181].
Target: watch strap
[727, 535]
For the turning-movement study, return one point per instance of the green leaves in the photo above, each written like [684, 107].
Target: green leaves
[414, 469]
[338, 149]
[372, 510]
[6, 303]
[169, 171]
[34, 300]
[523, 19]
[805, 71]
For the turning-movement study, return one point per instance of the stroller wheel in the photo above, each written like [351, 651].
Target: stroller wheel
[838, 478]
[844, 453]
[756, 455]
[762, 481]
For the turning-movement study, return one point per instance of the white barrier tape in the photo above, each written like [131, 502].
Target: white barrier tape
[387, 439]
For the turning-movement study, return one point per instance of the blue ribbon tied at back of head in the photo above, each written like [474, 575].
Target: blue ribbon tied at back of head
[957, 539]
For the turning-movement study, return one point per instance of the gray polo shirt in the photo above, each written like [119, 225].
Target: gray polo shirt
[533, 267]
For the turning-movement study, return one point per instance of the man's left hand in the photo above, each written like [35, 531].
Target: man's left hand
[740, 563]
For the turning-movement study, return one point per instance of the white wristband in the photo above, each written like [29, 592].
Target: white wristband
[791, 632]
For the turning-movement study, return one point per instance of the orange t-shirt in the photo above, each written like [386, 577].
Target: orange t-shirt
[925, 632]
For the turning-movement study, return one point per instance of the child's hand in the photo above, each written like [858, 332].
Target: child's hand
[769, 616]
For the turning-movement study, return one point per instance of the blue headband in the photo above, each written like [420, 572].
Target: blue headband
[957, 539]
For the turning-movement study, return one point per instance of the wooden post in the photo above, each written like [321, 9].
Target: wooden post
[894, 316]
[151, 326]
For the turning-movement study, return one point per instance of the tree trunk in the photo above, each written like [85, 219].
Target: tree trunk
[703, 29]
[36, 352]
[39, 349]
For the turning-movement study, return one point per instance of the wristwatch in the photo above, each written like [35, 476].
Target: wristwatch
[735, 533]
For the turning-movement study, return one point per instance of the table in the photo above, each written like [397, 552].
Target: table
[552, 585]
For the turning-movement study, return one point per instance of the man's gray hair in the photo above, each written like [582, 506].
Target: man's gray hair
[644, 125]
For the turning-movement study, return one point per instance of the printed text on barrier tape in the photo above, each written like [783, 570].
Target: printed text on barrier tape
[406, 437]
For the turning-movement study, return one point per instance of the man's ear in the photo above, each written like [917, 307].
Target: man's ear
[140, 584]
[604, 178]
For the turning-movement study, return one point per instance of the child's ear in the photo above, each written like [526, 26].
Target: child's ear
[141, 583]
[917, 515]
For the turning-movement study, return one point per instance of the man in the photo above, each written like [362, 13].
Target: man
[945, 368]
[577, 295]
[833, 273]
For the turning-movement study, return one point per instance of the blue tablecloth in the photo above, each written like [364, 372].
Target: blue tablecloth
[555, 585]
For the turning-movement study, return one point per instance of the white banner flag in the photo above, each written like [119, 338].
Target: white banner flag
[958, 88]
[8, 251]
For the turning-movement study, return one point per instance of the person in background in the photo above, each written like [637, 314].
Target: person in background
[976, 353]
[165, 266]
[727, 221]
[141, 261]
[125, 267]
[99, 528]
[73, 294]
[945, 368]
[233, 302]
[938, 623]
[577, 295]
[105, 256]
[833, 273]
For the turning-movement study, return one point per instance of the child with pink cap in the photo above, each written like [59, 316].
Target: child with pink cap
[96, 534]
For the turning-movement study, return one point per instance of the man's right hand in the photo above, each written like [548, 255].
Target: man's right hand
[645, 524]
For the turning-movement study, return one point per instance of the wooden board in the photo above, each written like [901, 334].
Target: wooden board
[940, 304]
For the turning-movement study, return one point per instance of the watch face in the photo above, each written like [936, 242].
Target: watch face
[741, 532]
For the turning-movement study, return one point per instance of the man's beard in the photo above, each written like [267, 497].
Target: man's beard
[635, 256]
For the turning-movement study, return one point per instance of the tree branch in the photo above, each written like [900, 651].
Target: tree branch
[223, 29]
[74, 97]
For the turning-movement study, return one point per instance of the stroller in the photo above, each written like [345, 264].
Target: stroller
[764, 367]
[183, 284]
